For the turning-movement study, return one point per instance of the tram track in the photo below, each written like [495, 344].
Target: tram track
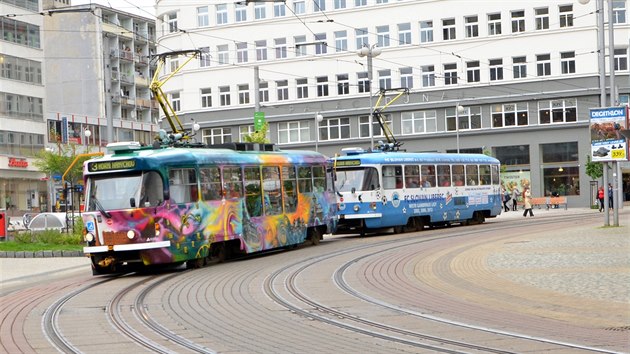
[332, 316]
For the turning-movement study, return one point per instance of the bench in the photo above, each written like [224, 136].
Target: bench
[557, 201]
[540, 201]
[548, 202]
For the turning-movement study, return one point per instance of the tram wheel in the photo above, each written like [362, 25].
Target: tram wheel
[315, 236]
[398, 229]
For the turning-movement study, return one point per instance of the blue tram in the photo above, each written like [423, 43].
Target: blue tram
[408, 191]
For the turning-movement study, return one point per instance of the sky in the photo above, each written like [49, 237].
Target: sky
[138, 7]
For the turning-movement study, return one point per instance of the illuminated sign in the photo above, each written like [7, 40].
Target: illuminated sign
[21, 163]
[348, 163]
[101, 166]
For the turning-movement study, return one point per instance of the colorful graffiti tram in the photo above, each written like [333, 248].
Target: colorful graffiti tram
[172, 205]
[408, 191]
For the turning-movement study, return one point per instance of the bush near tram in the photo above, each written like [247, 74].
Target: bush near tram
[46, 240]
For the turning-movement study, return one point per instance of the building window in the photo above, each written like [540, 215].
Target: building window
[302, 88]
[543, 64]
[293, 132]
[450, 74]
[512, 155]
[343, 84]
[319, 5]
[361, 35]
[358, 3]
[494, 24]
[241, 52]
[567, 62]
[217, 135]
[171, 19]
[473, 72]
[518, 21]
[557, 111]
[561, 170]
[282, 90]
[621, 59]
[619, 11]
[404, 33]
[472, 26]
[382, 36]
[542, 18]
[428, 76]
[224, 95]
[363, 82]
[204, 58]
[406, 77]
[509, 115]
[223, 54]
[281, 47]
[341, 41]
[320, 44]
[364, 125]
[385, 79]
[206, 97]
[261, 50]
[263, 91]
[222, 14]
[469, 119]
[334, 129]
[299, 7]
[202, 16]
[426, 31]
[340, 4]
[566, 15]
[300, 48]
[519, 67]
[496, 69]
[418, 122]
[260, 11]
[176, 102]
[448, 29]
[322, 86]
[243, 94]
[240, 12]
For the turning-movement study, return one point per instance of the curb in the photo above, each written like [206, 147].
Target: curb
[40, 254]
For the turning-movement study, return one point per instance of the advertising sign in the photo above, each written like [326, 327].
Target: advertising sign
[607, 143]
[259, 120]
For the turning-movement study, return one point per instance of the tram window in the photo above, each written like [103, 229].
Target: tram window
[412, 176]
[472, 175]
[495, 174]
[152, 190]
[232, 182]
[289, 183]
[392, 177]
[210, 179]
[428, 176]
[319, 178]
[458, 175]
[304, 179]
[253, 199]
[183, 185]
[370, 181]
[444, 175]
[271, 190]
[484, 174]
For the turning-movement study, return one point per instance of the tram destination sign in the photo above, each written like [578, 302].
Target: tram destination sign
[348, 163]
[102, 166]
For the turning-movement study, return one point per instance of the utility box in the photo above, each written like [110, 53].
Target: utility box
[4, 223]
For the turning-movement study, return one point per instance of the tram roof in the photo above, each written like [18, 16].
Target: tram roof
[417, 157]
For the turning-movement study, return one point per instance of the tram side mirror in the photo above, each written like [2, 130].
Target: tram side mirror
[132, 202]
[167, 195]
[353, 190]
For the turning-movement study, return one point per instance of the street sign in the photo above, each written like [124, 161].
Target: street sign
[259, 120]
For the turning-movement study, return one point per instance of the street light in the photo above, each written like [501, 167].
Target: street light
[87, 134]
[371, 52]
[318, 119]
[458, 109]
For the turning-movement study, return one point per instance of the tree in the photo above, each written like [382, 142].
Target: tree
[259, 136]
[595, 170]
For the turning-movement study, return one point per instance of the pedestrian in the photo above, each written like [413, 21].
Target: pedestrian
[600, 198]
[515, 193]
[527, 202]
[506, 199]
[610, 196]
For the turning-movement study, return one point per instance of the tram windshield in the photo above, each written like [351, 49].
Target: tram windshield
[356, 179]
[124, 191]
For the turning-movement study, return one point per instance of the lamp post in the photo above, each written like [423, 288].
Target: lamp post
[87, 134]
[370, 52]
[318, 119]
[458, 109]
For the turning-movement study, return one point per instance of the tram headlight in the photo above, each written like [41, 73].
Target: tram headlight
[157, 229]
[373, 205]
[89, 237]
[131, 234]
[356, 207]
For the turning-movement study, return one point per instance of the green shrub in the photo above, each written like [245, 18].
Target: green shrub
[23, 237]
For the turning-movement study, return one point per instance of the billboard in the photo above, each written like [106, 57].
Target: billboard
[607, 143]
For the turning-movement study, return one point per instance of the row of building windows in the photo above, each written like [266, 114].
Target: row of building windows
[223, 14]
[412, 123]
[32, 5]
[19, 106]
[20, 144]
[20, 69]
[19, 32]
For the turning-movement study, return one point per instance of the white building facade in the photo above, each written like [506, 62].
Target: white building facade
[525, 77]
